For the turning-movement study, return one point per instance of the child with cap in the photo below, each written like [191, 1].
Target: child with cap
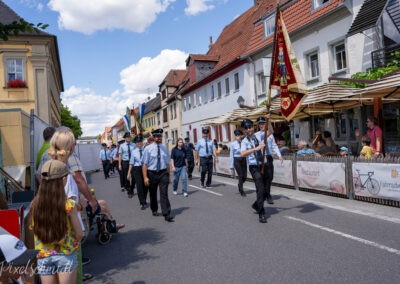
[56, 226]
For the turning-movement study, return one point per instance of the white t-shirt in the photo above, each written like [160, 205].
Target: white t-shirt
[71, 190]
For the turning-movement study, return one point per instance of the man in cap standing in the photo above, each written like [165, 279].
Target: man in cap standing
[237, 162]
[156, 174]
[189, 148]
[125, 154]
[105, 156]
[135, 168]
[114, 158]
[271, 148]
[252, 150]
[205, 150]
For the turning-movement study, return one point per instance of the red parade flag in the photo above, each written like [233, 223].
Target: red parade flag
[286, 74]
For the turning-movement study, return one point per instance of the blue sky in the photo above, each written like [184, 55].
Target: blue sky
[114, 54]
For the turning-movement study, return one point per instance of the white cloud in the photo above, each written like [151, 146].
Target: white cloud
[140, 80]
[195, 7]
[148, 72]
[88, 16]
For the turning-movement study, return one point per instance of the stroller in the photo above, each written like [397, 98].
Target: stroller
[104, 226]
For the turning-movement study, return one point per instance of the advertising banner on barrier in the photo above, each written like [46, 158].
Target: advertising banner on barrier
[377, 180]
[326, 176]
[222, 166]
[283, 172]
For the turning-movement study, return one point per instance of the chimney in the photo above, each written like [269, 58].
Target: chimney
[211, 43]
[257, 3]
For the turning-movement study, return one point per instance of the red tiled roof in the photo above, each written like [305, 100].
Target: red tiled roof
[204, 57]
[174, 78]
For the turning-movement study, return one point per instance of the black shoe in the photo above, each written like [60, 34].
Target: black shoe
[270, 200]
[85, 260]
[143, 207]
[262, 218]
[242, 193]
[169, 218]
[155, 214]
[122, 189]
[255, 207]
[130, 195]
[203, 186]
[190, 177]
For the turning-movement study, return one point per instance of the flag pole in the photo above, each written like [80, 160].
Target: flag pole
[271, 75]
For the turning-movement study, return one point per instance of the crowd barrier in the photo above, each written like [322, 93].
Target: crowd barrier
[371, 180]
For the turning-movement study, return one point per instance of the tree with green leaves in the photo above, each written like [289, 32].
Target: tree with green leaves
[71, 121]
[21, 26]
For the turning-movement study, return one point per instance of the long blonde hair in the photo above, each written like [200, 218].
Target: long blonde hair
[62, 144]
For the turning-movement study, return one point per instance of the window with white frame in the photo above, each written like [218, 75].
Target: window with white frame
[313, 65]
[269, 26]
[262, 84]
[189, 103]
[219, 90]
[174, 110]
[227, 89]
[212, 93]
[184, 105]
[194, 100]
[236, 79]
[15, 69]
[339, 56]
[318, 3]
[171, 114]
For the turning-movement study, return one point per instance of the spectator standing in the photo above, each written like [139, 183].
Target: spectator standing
[48, 132]
[237, 162]
[179, 167]
[189, 148]
[56, 226]
[374, 133]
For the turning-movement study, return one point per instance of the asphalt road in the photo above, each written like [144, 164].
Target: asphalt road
[216, 238]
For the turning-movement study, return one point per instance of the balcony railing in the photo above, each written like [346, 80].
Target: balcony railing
[381, 57]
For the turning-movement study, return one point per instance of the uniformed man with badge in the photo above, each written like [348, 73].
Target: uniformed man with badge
[252, 150]
[156, 174]
[237, 162]
[114, 158]
[125, 154]
[135, 169]
[189, 148]
[271, 148]
[205, 150]
[105, 156]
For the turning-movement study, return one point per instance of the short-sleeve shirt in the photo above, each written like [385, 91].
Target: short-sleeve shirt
[150, 155]
[189, 147]
[372, 134]
[202, 149]
[136, 157]
[67, 246]
[179, 156]
[235, 152]
[114, 153]
[247, 144]
[367, 152]
[105, 154]
[123, 150]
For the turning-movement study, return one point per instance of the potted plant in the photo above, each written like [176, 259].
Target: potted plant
[16, 83]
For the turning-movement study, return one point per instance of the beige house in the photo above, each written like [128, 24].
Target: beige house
[171, 106]
[31, 79]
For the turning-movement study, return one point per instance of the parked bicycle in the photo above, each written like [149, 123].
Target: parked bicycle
[371, 184]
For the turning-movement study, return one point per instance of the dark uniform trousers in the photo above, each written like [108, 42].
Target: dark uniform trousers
[106, 168]
[269, 169]
[141, 188]
[240, 166]
[128, 184]
[260, 180]
[114, 165]
[206, 164]
[121, 176]
[159, 179]
[190, 166]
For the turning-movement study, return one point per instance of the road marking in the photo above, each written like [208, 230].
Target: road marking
[206, 190]
[364, 241]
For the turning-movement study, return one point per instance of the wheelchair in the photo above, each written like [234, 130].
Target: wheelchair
[105, 228]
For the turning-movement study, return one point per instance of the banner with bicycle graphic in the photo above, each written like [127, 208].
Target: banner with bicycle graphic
[326, 176]
[376, 180]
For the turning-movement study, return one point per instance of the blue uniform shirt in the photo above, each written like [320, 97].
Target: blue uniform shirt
[272, 147]
[150, 154]
[114, 153]
[247, 144]
[123, 150]
[136, 158]
[105, 154]
[201, 147]
[235, 152]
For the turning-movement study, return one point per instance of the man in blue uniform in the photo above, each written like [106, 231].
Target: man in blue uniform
[237, 162]
[125, 154]
[114, 158]
[271, 148]
[252, 150]
[189, 148]
[135, 168]
[105, 156]
[156, 174]
[205, 150]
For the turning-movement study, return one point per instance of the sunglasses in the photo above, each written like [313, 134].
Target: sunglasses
[249, 127]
